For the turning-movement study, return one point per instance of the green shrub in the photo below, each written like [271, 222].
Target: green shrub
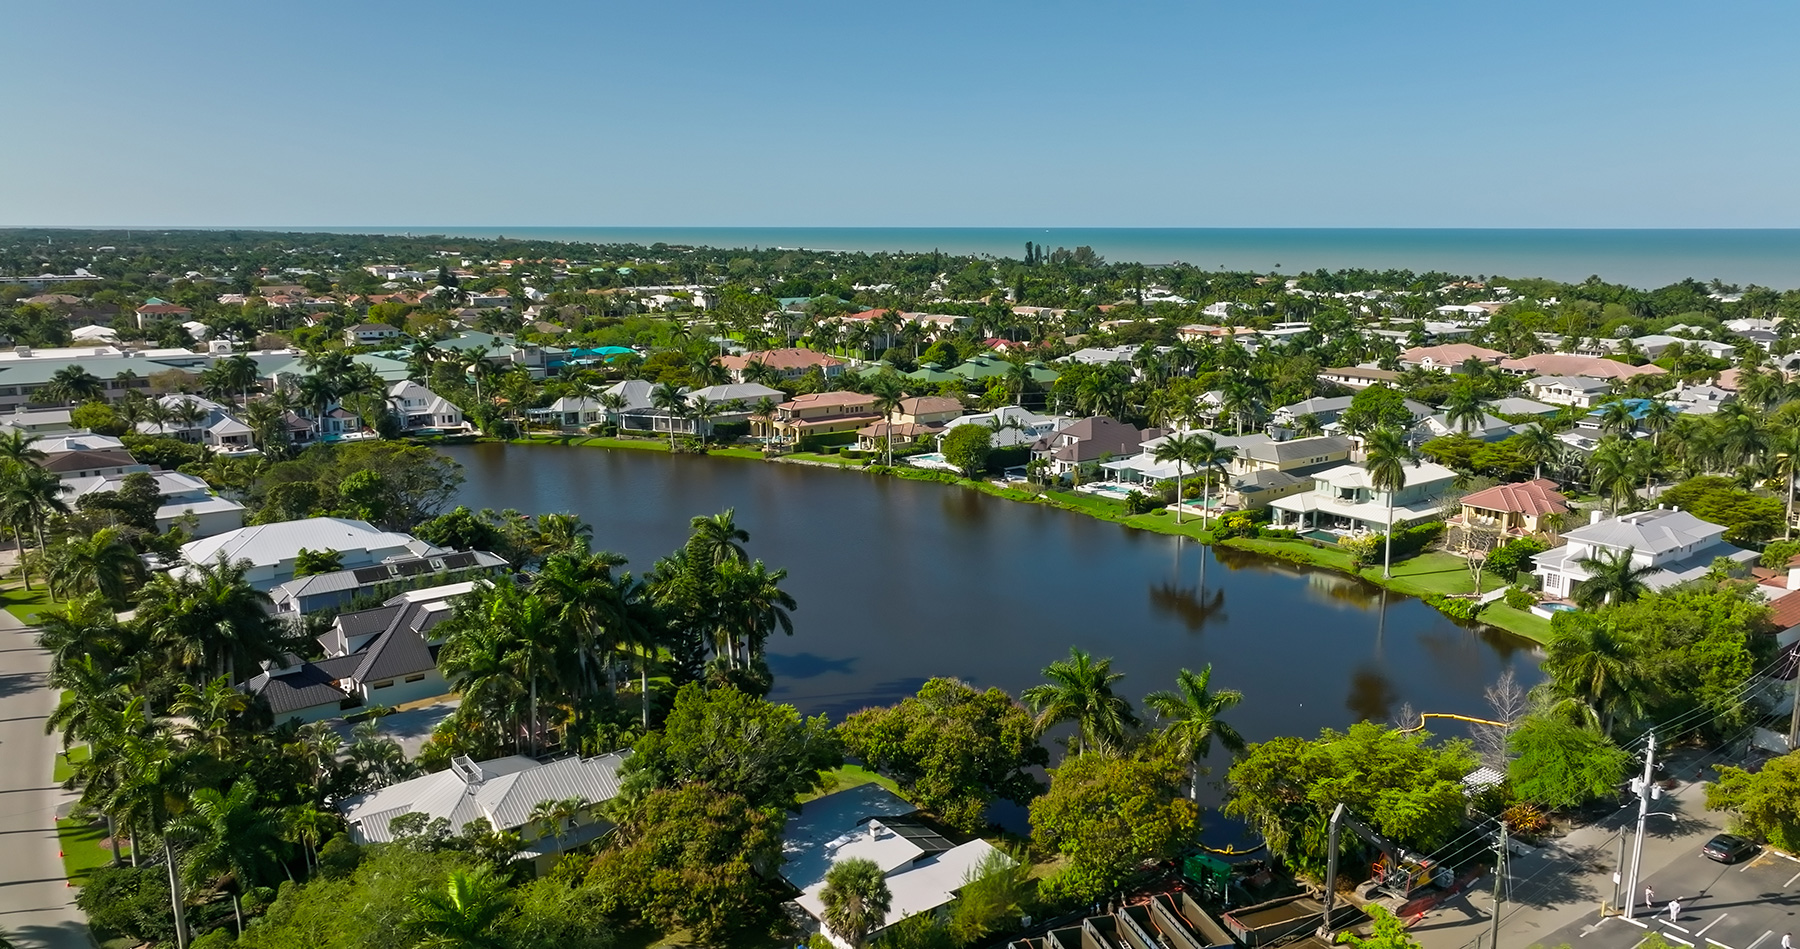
[1515, 556]
[1520, 598]
[1456, 608]
[129, 901]
[1777, 555]
[1137, 502]
[1012, 456]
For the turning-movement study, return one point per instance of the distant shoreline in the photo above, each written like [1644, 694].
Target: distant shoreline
[1640, 257]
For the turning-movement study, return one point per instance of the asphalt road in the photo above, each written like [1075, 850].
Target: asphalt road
[37, 908]
[1745, 906]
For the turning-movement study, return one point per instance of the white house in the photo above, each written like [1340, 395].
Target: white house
[1343, 498]
[370, 334]
[186, 500]
[1579, 391]
[1011, 425]
[1679, 545]
[420, 408]
[200, 421]
[923, 869]
[273, 548]
[503, 791]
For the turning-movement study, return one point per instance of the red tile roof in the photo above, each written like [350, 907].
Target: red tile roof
[1785, 612]
[1535, 498]
[781, 359]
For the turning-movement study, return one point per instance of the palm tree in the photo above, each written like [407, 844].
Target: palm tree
[28, 496]
[1594, 664]
[888, 398]
[1658, 417]
[102, 563]
[1192, 712]
[1612, 578]
[1611, 471]
[1080, 690]
[614, 404]
[502, 630]
[703, 410]
[1617, 417]
[552, 817]
[144, 778]
[669, 399]
[1179, 448]
[224, 834]
[1538, 444]
[1785, 445]
[70, 385]
[1386, 457]
[212, 619]
[16, 446]
[856, 899]
[461, 915]
[309, 826]
[1465, 409]
[755, 607]
[1210, 457]
[718, 538]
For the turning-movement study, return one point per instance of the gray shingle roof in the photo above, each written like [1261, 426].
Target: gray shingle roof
[307, 687]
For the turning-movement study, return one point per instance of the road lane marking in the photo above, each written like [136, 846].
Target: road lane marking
[1759, 939]
[1791, 880]
[1710, 925]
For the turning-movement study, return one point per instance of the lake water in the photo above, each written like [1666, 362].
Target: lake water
[899, 581]
[1646, 257]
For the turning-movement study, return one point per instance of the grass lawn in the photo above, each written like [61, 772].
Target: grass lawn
[26, 604]
[82, 848]
[1516, 621]
[822, 459]
[1433, 572]
[849, 776]
[1163, 522]
[1326, 555]
[65, 767]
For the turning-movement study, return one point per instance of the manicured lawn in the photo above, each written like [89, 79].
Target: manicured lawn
[26, 604]
[824, 459]
[1326, 555]
[82, 848]
[849, 776]
[1163, 522]
[65, 765]
[1516, 621]
[1433, 572]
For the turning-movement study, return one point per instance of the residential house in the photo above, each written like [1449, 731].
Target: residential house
[1677, 544]
[1579, 391]
[325, 591]
[787, 364]
[155, 309]
[1324, 410]
[272, 549]
[818, 413]
[40, 422]
[1656, 344]
[1264, 469]
[1358, 377]
[1510, 511]
[931, 410]
[1570, 364]
[734, 402]
[1698, 400]
[1449, 357]
[1089, 441]
[187, 502]
[923, 869]
[897, 435]
[570, 412]
[1515, 405]
[1011, 425]
[1344, 498]
[111, 462]
[421, 410]
[1591, 428]
[1491, 428]
[371, 334]
[503, 791]
[200, 421]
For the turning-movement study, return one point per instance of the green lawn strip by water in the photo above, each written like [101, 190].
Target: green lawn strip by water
[26, 604]
[1300, 552]
[813, 456]
[1520, 622]
[82, 848]
[849, 776]
[65, 766]
[1433, 572]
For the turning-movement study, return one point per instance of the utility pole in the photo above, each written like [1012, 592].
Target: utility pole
[1794, 720]
[1618, 875]
[1644, 789]
[1499, 884]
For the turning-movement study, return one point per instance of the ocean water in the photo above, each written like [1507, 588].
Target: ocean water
[1641, 258]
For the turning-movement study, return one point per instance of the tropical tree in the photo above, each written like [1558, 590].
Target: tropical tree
[225, 835]
[703, 410]
[717, 538]
[1538, 444]
[1192, 712]
[856, 899]
[20, 448]
[1387, 455]
[1209, 458]
[1465, 409]
[211, 619]
[754, 607]
[70, 385]
[1613, 577]
[1618, 418]
[1080, 690]
[102, 563]
[666, 398]
[29, 495]
[1179, 448]
[1594, 664]
[888, 398]
[463, 913]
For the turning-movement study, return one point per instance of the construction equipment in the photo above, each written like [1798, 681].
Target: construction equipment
[1397, 873]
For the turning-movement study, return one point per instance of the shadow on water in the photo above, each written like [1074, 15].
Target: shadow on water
[1372, 694]
[839, 704]
[806, 665]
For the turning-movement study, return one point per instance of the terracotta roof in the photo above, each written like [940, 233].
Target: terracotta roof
[898, 430]
[1451, 353]
[923, 404]
[781, 359]
[817, 399]
[1570, 364]
[1785, 612]
[1535, 498]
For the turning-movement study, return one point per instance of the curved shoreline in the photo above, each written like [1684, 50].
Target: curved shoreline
[1531, 628]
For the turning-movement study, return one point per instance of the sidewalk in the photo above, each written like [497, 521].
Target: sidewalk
[1568, 881]
[37, 908]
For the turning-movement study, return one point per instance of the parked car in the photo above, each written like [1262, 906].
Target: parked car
[1728, 848]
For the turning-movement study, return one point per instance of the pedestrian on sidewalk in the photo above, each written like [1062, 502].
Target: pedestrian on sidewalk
[1674, 910]
[1649, 897]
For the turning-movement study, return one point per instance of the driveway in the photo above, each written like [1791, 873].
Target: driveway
[410, 727]
[37, 908]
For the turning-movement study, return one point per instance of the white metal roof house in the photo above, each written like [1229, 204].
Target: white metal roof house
[1681, 546]
[420, 408]
[273, 548]
[924, 870]
[1344, 498]
[502, 790]
[185, 499]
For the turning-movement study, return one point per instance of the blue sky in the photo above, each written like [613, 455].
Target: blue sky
[1573, 113]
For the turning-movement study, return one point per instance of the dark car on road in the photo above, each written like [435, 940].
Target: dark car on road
[1728, 848]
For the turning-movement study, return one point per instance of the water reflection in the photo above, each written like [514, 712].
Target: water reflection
[1188, 604]
[1372, 695]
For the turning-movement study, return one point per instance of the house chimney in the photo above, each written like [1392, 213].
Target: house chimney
[1594, 516]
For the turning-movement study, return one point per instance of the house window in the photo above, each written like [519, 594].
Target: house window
[388, 684]
[416, 678]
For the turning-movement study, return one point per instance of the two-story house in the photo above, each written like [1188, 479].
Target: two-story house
[787, 363]
[371, 334]
[1011, 425]
[1264, 470]
[1677, 544]
[421, 409]
[1344, 498]
[1579, 391]
[199, 421]
[1089, 441]
[1508, 511]
[818, 413]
